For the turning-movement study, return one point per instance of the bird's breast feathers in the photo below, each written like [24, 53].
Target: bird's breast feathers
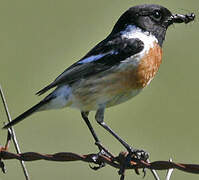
[121, 82]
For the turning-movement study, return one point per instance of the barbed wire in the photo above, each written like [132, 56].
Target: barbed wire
[12, 131]
[69, 156]
[99, 159]
[118, 162]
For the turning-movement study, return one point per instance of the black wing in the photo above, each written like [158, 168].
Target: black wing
[103, 56]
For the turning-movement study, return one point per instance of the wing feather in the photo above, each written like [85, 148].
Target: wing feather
[103, 56]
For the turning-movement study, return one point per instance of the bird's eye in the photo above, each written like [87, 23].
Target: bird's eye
[157, 15]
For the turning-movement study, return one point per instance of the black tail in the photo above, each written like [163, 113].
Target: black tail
[26, 114]
[45, 89]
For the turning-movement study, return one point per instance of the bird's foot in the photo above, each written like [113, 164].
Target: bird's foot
[96, 160]
[137, 154]
[96, 157]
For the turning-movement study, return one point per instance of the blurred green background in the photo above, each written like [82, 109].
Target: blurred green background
[40, 38]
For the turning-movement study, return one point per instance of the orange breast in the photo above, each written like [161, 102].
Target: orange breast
[146, 70]
[149, 65]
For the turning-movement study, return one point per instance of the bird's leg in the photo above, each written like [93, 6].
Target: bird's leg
[97, 142]
[85, 117]
[139, 154]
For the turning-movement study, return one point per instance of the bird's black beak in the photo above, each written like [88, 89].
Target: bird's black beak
[180, 18]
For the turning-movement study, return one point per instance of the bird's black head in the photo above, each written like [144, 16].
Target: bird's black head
[152, 18]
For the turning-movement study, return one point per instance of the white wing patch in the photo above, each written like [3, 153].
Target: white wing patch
[95, 57]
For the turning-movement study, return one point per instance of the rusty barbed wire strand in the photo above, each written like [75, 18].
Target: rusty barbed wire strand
[107, 158]
[69, 156]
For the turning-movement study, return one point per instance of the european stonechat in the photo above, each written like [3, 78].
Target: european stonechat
[115, 70]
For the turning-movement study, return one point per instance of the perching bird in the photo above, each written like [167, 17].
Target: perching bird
[115, 70]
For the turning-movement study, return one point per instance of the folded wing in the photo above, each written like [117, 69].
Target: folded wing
[106, 54]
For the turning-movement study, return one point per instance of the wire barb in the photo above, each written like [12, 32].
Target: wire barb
[11, 134]
[169, 172]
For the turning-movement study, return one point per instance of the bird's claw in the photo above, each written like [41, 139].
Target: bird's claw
[2, 166]
[97, 161]
[138, 155]
[95, 168]
[144, 172]
[138, 173]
